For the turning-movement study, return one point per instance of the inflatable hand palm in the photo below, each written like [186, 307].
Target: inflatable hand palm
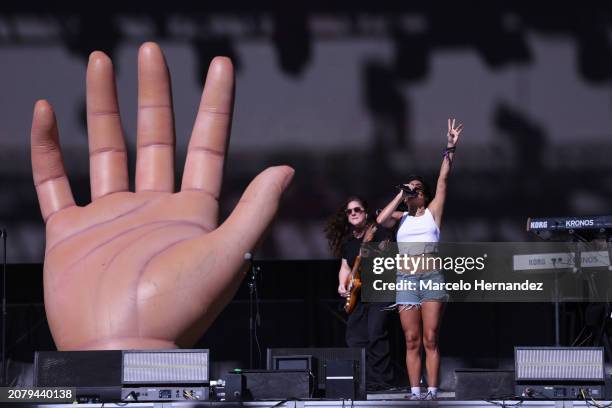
[150, 268]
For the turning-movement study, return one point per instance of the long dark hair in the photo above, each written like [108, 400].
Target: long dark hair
[338, 227]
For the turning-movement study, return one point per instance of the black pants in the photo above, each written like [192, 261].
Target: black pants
[367, 327]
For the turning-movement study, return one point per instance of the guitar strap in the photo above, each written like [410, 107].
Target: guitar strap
[367, 237]
[369, 234]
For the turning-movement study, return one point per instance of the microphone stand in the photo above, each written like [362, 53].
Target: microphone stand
[3, 375]
[253, 305]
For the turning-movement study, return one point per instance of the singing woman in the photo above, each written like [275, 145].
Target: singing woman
[421, 310]
[367, 323]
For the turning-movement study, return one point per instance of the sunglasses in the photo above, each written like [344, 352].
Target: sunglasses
[357, 210]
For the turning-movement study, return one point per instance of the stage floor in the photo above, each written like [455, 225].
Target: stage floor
[339, 403]
[442, 395]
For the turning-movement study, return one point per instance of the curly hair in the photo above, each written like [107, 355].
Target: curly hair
[338, 228]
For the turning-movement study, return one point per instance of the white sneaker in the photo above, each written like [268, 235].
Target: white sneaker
[430, 396]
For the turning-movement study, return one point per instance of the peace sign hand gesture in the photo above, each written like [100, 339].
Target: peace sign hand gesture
[453, 132]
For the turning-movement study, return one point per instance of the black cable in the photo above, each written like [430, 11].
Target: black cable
[502, 398]
[311, 390]
[592, 402]
[596, 404]
[124, 402]
[546, 397]
[27, 334]
[585, 340]
[578, 336]
[587, 402]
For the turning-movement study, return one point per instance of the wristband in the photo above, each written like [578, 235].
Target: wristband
[448, 151]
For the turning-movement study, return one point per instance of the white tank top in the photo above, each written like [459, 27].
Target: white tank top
[418, 229]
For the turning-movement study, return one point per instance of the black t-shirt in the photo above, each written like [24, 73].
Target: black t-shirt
[350, 247]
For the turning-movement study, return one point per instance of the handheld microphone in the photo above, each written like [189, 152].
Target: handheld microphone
[407, 190]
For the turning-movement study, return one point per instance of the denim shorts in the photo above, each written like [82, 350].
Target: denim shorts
[421, 292]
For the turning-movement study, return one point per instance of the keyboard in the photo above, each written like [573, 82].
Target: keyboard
[572, 228]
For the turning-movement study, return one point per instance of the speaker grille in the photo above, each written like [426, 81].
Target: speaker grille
[77, 368]
[167, 367]
[559, 363]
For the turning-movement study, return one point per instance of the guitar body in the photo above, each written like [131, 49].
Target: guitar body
[353, 281]
[353, 285]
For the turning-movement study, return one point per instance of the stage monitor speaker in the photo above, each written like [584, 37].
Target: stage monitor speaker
[96, 375]
[477, 384]
[559, 372]
[324, 355]
[340, 379]
[235, 387]
[278, 384]
[100, 375]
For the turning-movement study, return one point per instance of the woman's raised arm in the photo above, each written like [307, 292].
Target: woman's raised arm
[437, 204]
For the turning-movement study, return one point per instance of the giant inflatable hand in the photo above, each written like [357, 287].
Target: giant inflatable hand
[150, 268]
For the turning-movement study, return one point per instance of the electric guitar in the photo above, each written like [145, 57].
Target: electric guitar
[353, 281]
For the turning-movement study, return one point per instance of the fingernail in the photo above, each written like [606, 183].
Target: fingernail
[289, 172]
